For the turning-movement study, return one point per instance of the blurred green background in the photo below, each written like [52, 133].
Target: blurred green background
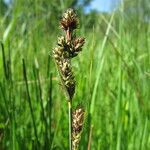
[112, 75]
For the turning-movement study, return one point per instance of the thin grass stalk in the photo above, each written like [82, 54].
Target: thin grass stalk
[70, 123]
[4, 97]
[48, 66]
[50, 108]
[42, 109]
[29, 101]
[4, 61]
[36, 84]
[9, 64]
[90, 137]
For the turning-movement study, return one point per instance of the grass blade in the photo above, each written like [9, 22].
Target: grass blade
[29, 101]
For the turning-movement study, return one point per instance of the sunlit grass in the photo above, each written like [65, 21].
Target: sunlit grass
[113, 81]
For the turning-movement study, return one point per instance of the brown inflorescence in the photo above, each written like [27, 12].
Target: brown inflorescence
[68, 47]
[77, 125]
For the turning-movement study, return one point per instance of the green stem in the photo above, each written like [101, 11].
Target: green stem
[70, 123]
[30, 104]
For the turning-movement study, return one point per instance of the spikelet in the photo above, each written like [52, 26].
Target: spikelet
[70, 48]
[69, 20]
[65, 70]
[77, 125]
[76, 46]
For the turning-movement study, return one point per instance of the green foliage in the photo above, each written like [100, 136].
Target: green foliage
[112, 74]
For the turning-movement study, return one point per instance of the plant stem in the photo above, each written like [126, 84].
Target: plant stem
[70, 123]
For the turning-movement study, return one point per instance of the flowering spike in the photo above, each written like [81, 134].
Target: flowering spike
[77, 125]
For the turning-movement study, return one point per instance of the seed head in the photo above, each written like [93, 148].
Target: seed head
[68, 47]
[77, 125]
[69, 20]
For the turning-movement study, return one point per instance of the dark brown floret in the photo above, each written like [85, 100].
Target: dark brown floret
[69, 20]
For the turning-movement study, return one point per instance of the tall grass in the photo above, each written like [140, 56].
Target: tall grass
[113, 80]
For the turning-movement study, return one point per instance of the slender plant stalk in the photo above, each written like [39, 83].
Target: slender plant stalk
[4, 61]
[70, 123]
[49, 108]
[29, 101]
[90, 137]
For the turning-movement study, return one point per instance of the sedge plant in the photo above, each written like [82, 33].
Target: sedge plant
[69, 47]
